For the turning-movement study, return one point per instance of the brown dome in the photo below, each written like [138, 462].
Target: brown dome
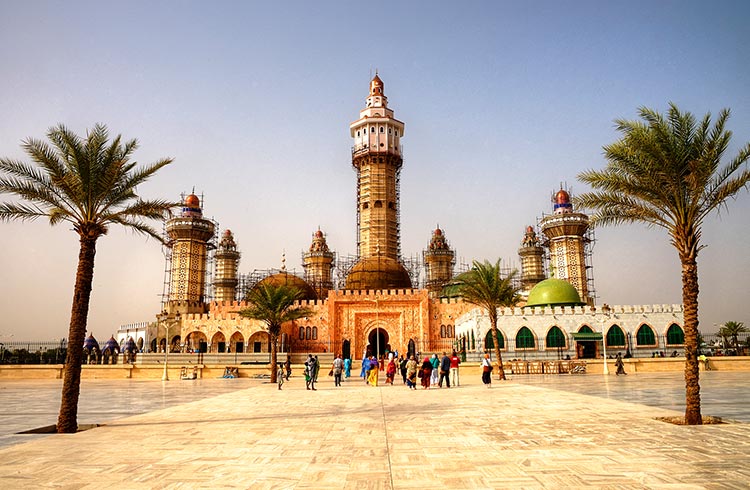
[377, 273]
[192, 201]
[562, 197]
[286, 279]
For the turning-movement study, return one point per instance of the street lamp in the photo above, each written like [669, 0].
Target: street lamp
[164, 318]
[604, 345]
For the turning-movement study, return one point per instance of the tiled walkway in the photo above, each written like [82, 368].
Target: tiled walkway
[359, 437]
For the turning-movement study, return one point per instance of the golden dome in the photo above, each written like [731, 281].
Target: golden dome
[286, 279]
[378, 273]
[562, 197]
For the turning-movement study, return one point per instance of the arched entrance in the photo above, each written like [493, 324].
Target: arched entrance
[377, 342]
[259, 342]
[411, 349]
[218, 343]
[237, 342]
[346, 350]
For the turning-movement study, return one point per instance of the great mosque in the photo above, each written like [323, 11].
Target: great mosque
[376, 303]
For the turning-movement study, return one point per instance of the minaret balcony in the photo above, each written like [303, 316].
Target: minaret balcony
[359, 150]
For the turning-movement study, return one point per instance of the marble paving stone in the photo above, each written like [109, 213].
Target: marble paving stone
[516, 435]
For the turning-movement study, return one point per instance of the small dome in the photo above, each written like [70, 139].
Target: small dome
[192, 201]
[376, 86]
[287, 279]
[112, 345]
[438, 231]
[378, 273]
[529, 229]
[318, 234]
[90, 342]
[554, 292]
[562, 197]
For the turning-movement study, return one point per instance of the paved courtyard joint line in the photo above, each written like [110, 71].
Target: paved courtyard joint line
[360, 437]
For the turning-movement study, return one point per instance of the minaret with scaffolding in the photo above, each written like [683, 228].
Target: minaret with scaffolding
[568, 237]
[189, 240]
[226, 259]
[439, 260]
[376, 156]
[531, 253]
[318, 264]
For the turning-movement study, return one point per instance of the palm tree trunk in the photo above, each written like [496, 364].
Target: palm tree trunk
[496, 332]
[690, 304]
[67, 421]
[274, 341]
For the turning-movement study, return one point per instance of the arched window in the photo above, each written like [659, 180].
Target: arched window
[585, 329]
[302, 333]
[442, 331]
[449, 331]
[615, 337]
[378, 204]
[645, 336]
[315, 333]
[524, 339]
[555, 338]
[307, 333]
[489, 339]
[382, 129]
[675, 335]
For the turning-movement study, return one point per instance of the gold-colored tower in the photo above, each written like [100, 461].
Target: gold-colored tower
[189, 237]
[531, 253]
[439, 260]
[376, 156]
[227, 259]
[318, 264]
[565, 232]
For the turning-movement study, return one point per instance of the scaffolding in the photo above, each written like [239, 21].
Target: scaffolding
[167, 246]
[588, 242]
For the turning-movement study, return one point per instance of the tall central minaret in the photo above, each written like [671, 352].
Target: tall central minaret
[376, 156]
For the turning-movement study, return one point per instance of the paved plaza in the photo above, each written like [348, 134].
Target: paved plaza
[246, 434]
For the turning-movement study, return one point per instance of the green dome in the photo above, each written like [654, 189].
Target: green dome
[452, 288]
[554, 292]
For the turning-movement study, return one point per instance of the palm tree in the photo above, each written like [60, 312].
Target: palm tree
[667, 172]
[274, 305]
[733, 329]
[89, 184]
[484, 286]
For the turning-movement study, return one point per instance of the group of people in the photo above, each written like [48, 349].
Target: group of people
[432, 371]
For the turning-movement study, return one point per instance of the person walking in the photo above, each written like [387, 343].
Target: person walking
[619, 365]
[411, 373]
[364, 373]
[317, 369]
[402, 367]
[426, 373]
[487, 371]
[455, 361]
[310, 372]
[373, 375]
[435, 369]
[280, 375]
[347, 367]
[445, 369]
[288, 366]
[390, 371]
[338, 369]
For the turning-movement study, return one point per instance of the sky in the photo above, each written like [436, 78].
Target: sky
[503, 103]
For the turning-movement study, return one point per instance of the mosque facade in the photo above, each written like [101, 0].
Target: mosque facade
[374, 304]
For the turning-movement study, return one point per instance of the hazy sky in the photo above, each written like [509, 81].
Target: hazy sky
[502, 101]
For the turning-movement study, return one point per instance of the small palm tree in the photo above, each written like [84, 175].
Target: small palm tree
[485, 286]
[667, 172]
[89, 184]
[733, 329]
[274, 304]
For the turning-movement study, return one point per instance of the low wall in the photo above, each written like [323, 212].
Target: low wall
[155, 371]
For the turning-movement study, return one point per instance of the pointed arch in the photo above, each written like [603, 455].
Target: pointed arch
[489, 339]
[615, 336]
[644, 336]
[525, 339]
[675, 335]
[555, 338]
